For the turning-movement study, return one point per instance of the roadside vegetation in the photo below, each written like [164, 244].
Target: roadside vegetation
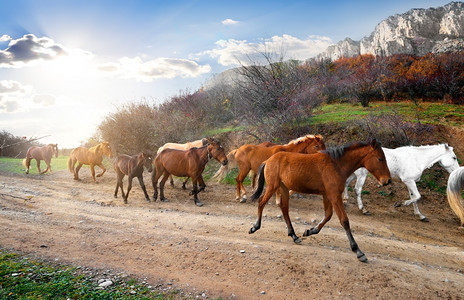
[24, 278]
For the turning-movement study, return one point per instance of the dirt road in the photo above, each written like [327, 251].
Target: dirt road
[207, 250]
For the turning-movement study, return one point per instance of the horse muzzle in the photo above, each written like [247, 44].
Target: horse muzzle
[385, 182]
[224, 162]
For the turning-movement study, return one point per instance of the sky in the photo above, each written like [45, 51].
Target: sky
[66, 65]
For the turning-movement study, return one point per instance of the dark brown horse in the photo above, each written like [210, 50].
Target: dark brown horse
[250, 157]
[132, 166]
[185, 163]
[323, 173]
[89, 156]
[40, 153]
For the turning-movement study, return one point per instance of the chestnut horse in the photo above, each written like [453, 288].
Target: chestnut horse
[186, 146]
[185, 163]
[323, 173]
[132, 166]
[89, 156]
[39, 153]
[250, 157]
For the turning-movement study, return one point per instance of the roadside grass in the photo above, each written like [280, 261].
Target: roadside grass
[428, 113]
[24, 278]
[15, 165]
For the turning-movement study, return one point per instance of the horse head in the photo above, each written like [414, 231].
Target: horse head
[105, 148]
[313, 143]
[375, 162]
[54, 148]
[147, 161]
[449, 160]
[216, 151]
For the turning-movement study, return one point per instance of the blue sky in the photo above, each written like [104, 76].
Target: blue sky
[65, 65]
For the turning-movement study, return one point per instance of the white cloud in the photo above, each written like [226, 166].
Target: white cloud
[148, 71]
[44, 99]
[230, 52]
[5, 38]
[10, 92]
[29, 49]
[229, 22]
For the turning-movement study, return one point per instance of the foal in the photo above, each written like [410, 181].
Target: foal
[132, 166]
[322, 173]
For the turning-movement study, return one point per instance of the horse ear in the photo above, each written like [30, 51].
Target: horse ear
[374, 143]
[446, 147]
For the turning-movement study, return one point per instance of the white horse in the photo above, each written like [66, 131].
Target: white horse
[453, 191]
[407, 163]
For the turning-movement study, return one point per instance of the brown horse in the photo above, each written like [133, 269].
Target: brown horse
[40, 153]
[250, 157]
[89, 156]
[132, 166]
[323, 173]
[185, 163]
[186, 146]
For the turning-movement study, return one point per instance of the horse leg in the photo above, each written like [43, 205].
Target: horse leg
[202, 184]
[358, 190]
[117, 185]
[184, 183]
[346, 194]
[38, 165]
[76, 171]
[328, 209]
[92, 170]
[155, 175]
[243, 172]
[341, 213]
[129, 187]
[142, 185]
[195, 191]
[103, 170]
[171, 180]
[163, 181]
[262, 202]
[284, 204]
[415, 196]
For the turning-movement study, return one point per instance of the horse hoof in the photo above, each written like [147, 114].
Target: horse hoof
[366, 213]
[243, 200]
[297, 240]
[398, 204]
[306, 232]
[363, 258]
[164, 200]
[198, 203]
[425, 219]
[252, 230]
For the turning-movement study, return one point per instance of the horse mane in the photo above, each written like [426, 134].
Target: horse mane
[304, 139]
[337, 152]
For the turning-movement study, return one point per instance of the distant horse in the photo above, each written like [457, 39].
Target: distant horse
[185, 163]
[40, 153]
[132, 166]
[186, 146]
[407, 163]
[89, 156]
[323, 173]
[454, 190]
[250, 157]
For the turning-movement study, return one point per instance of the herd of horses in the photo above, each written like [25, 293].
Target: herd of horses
[304, 165]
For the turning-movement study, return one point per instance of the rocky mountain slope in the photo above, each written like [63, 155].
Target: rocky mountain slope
[417, 32]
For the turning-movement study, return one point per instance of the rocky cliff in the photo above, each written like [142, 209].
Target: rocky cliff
[417, 32]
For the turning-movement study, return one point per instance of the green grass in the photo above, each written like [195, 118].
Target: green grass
[23, 278]
[15, 165]
[429, 113]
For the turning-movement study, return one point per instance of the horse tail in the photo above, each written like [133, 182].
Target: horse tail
[70, 162]
[25, 162]
[453, 191]
[223, 170]
[260, 188]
